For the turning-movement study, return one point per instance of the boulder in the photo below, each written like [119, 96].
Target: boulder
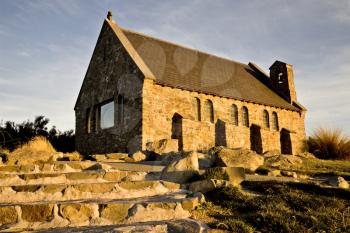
[245, 158]
[205, 160]
[117, 156]
[271, 153]
[138, 156]
[78, 213]
[338, 182]
[99, 157]
[168, 158]
[274, 173]
[307, 155]
[208, 185]
[283, 161]
[8, 215]
[289, 174]
[235, 175]
[74, 156]
[37, 213]
[181, 170]
[163, 146]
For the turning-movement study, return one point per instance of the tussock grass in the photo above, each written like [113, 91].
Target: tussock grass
[38, 143]
[278, 207]
[329, 144]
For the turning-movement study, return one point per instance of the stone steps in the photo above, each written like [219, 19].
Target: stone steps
[87, 196]
[106, 190]
[45, 214]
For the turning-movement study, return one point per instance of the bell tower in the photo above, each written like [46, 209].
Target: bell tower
[282, 78]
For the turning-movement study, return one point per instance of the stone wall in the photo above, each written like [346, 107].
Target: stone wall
[160, 103]
[111, 73]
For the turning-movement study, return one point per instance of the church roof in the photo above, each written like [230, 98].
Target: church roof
[177, 66]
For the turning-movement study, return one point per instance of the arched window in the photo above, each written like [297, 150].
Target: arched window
[197, 107]
[275, 125]
[209, 109]
[234, 114]
[245, 116]
[266, 119]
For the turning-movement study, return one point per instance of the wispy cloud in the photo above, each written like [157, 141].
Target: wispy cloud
[59, 37]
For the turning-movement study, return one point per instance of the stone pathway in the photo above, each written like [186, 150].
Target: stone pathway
[94, 197]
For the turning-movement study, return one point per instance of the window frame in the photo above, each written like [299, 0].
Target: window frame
[245, 116]
[234, 115]
[266, 119]
[99, 114]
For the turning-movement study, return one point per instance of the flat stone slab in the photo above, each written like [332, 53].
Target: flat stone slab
[173, 226]
[71, 177]
[87, 191]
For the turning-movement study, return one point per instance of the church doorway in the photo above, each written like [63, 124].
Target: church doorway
[176, 129]
[255, 139]
[286, 142]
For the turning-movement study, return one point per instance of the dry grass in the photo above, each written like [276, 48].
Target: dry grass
[329, 144]
[283, 208]
[38, 143]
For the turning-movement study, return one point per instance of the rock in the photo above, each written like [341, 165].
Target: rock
[289, 174]
[156, 212]
[233, 174]
[245, 158]
[283, 161]
[138, 156]
[117, 156]
[37, 213]
[338, 182]
[307, 155]
[188, 226]
[205, 160]
[8, 215]
[168, 158]
[116, 213]
[98, 166]
[274, 173]
[99, 157]
[77, 213]
[74, 156]
[205, 186]
[163, 146]
[180, 171]
[271, 153]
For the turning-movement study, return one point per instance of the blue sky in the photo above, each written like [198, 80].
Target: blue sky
[46, 45]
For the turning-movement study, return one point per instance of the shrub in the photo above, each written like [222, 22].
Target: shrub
[329, 144]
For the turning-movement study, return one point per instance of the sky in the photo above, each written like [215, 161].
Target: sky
[46, 46]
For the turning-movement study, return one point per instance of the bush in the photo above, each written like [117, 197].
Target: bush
[329, 144]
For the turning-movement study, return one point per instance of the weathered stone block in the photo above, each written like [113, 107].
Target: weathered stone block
[77, 213]
[37, 213]
[116, 213]
[8, 215]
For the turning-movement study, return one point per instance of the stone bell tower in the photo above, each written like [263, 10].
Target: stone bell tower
[282, 78]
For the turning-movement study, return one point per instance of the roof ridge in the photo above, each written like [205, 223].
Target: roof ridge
[183, 46]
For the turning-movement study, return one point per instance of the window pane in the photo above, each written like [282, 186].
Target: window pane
[107, 115]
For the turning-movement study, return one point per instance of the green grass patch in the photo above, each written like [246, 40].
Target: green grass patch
[278, 207]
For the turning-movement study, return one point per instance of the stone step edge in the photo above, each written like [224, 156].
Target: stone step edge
[123, 184]
[194, 226]
[165, 198]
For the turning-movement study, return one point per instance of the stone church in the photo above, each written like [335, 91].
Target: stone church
[139, 89]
